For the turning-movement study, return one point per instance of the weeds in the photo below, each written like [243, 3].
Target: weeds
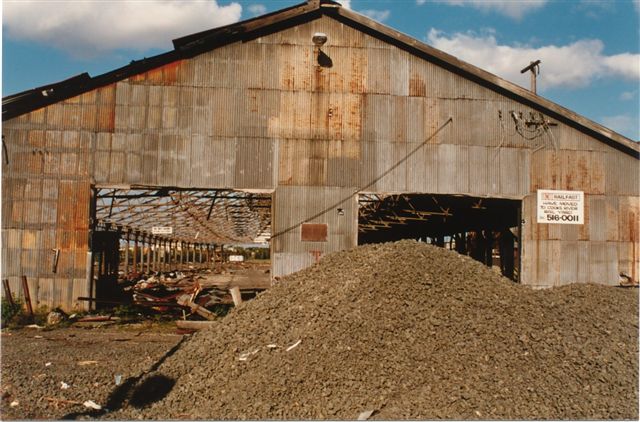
[10, 312]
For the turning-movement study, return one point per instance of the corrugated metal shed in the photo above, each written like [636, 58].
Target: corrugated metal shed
[252, 106]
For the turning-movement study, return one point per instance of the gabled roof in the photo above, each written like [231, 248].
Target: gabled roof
[192, 45]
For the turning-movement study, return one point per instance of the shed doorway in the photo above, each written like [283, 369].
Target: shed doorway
[486, 229]
[144, 231]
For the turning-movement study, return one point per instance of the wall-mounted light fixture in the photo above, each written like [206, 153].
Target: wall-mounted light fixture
[319, 39]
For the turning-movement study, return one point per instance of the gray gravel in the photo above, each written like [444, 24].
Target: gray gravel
[409, 331]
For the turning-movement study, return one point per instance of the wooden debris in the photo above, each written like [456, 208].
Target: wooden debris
[185, 300]
[194, 325]
[235, 295]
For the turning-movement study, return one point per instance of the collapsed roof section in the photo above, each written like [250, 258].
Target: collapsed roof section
[203, 216]
[192, 45]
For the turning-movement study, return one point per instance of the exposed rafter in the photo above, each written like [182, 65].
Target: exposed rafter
[203, 216]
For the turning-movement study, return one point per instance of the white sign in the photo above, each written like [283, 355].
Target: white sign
[236, 258]
[162, 230]
[560, 206]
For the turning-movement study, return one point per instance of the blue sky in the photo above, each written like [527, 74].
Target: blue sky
[590, 49]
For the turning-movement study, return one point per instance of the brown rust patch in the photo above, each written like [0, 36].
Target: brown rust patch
[312, 232]
[170, 72]
[37, 116]
[107, 94]
[139, 78]
[65, 239]
[106, 118]
[36, 138]
[357, 79]
[417, 87]
[321, 80]
[88, 116]
[288, 76]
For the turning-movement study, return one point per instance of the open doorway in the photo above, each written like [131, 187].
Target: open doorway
[152, 245]
[487, 229]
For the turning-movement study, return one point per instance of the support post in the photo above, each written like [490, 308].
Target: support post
[142, 253]
[27, 295]
[135, 253]
[165, 265]
[7, 292]
[149, 254]
[155, 254]
[126, 255]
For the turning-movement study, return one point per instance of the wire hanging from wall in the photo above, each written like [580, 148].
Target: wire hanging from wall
[368, 185]
[532, 128]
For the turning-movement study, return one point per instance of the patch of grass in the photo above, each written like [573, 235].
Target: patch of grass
[10, 312]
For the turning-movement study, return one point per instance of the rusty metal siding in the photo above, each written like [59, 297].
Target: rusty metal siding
[51, 159]
[310, 204]
[621, 174]
[253, 163]
[263, 114]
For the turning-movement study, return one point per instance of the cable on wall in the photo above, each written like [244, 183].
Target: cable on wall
[368, 185]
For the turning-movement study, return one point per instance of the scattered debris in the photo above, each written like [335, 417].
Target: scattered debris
[34, 326]
[87, 362]
[415, 332]
[14, 403]
[55, 317]
[294, 345]
[235, 295]
[245, 356]
[97, 318]
[185, 300]
[118, 379]
[194, 325]
[92, 405]
[57, 402]
[47, 364]
[363, 416]
[64, 385]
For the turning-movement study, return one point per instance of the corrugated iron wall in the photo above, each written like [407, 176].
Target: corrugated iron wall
[46, 195]
[264, 115]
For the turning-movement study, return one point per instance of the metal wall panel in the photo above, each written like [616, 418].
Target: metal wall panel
[603, 260]
[597, 218]
[262, 113]
[313, 205]
[283, 263]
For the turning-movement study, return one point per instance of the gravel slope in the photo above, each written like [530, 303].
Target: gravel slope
[409, 331]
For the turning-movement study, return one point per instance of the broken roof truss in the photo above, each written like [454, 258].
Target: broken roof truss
[217, 216]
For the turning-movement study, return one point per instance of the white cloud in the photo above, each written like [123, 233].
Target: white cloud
[626, 124]
[636, 3]
[572, 65]
[257, 9]
[513, 9]
[86, 28]
[345, 3]
[378, 15]
[628, 95]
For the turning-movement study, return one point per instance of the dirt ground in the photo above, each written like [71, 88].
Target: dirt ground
[401, 331]
[49, 374]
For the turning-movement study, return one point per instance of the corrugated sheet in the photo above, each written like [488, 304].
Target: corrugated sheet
[603, 260]
[261, 113]
[310, 200]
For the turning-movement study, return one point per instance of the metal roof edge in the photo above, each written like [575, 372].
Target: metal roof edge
[487, 79]
[15, 105]
[194, 44]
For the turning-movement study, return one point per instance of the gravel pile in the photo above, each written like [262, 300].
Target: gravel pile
[408, 331]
